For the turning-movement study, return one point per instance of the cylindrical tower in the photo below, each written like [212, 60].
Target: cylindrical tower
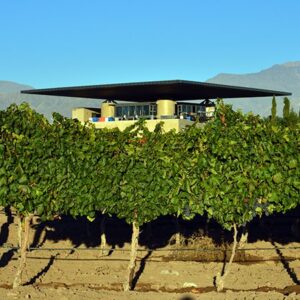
[108, 109]
[165, 107]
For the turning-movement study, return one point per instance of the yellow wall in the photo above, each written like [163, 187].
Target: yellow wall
[82, 114]
[168, 125]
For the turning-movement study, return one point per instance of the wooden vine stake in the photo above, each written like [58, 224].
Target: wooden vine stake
[20, 230]
[23, 235]
[178, 233]
[103, 236]
[220, 278]
[133, 254]
[244, 238]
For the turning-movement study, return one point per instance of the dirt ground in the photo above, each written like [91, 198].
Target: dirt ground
[268, 267]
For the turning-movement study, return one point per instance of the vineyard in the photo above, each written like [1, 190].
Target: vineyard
[233, 171]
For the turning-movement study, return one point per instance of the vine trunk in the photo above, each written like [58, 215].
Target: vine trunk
[23, 231]
[220, 278]
[133, 254]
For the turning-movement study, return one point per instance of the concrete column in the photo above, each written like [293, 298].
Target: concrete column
[165, 107]
[108, 109]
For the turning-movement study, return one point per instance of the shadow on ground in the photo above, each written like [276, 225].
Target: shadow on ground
[277, 228]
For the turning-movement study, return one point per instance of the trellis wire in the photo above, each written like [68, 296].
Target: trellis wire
[150, 249]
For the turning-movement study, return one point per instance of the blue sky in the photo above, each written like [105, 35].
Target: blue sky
[71, 42]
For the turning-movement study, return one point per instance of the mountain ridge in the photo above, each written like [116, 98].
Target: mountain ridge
[281, 77]
[7, 86]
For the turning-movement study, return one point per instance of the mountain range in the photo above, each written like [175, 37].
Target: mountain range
[282, 77]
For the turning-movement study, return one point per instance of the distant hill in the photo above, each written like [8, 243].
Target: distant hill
[12, 87]
[10, 93]
[284, 77]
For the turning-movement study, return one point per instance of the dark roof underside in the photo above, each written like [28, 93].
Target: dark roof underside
[154, 90]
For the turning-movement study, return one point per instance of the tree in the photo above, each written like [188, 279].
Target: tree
[286, 108]
[273, 110]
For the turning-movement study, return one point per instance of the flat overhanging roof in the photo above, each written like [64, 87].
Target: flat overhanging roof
[154, 90]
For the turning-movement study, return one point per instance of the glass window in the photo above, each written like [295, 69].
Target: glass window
[131, 111]
[125, 110]
[139, 110]
[119, 112]
[146, 110]
[152, 109]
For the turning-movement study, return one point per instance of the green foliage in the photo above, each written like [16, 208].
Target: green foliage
[290, 117]
[292, 120]
[22, 134]
[144, 182]
[251, 168]
[232, 169]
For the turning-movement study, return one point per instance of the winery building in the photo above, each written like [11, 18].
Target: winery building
[172, 102]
